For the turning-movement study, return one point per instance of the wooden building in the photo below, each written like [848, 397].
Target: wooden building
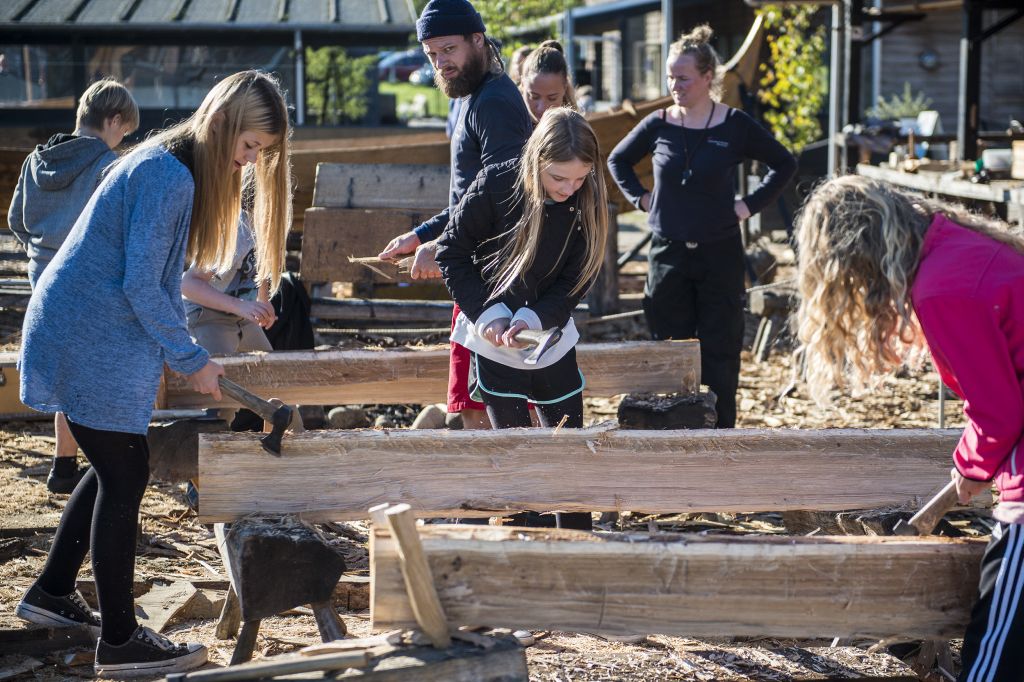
[170, 52]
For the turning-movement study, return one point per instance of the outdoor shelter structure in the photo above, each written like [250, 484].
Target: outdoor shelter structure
[150, 40]
[850, 38]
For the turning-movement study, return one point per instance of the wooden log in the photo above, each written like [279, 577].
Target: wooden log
[379, 311]
[337, 377]
[337, 475]
[381, 185]
[686, 585]
[277, 666]
[394, 150]
[331, 235]
[461, 662]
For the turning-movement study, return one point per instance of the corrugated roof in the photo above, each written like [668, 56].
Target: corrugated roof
[116, 15]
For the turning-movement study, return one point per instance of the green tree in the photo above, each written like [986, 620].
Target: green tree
[501, 16]
[794, 83]
[337, 85]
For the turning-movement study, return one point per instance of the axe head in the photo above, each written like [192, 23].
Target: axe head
[544, 342]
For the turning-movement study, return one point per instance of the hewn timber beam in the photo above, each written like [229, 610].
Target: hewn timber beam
[684, 585]
[339, 377]
[386, 311]
[338, 475]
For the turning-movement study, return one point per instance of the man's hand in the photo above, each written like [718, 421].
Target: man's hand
[424, 263]
[205, 380]
[399, 246]
[492, 332]
[967, 488]
[741, 209]
[645, 202]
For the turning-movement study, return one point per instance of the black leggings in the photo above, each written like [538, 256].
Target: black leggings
[103, 514]
[506, 413]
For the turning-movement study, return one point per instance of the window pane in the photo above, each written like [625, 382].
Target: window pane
[36, 76]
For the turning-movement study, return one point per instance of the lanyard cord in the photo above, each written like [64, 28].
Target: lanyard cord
[688, 172]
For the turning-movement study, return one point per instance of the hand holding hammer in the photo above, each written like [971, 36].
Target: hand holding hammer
[959, 489]
[518, 335]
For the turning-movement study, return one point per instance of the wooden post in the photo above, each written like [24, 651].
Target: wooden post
[603, 298]
[419, 583]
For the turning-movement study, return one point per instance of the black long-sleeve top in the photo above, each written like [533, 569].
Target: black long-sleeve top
[702, 210]
[482, 223]
[493, 125]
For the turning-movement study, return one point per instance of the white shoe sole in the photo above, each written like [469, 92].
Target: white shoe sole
[38, 616]
[175, 665]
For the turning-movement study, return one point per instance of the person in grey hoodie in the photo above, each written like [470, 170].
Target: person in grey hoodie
[56, 182]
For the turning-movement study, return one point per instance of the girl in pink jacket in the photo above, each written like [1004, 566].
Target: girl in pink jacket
[878, 270]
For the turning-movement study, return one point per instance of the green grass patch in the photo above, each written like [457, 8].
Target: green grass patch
[405, 94]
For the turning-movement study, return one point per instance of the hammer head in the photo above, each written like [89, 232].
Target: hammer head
[544, 342]
[280, 421]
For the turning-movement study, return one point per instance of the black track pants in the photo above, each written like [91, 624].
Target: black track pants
[103, 515]
[992, 649]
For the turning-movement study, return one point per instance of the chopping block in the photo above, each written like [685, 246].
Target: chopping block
[274, 566]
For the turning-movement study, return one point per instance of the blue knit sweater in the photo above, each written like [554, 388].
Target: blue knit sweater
[107, 312]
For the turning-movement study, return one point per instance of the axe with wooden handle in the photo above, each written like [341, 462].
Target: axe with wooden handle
[925, 520]
[280, 416]
[542, 341]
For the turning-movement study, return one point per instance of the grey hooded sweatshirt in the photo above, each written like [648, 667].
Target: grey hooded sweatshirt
[56, 182]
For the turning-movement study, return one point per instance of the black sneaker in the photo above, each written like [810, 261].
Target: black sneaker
[147, 653]
[64, 485]
[57, 612]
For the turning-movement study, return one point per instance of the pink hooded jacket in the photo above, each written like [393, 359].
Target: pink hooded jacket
[969, 299]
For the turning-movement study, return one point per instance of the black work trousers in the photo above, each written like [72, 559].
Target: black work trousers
[698, 291]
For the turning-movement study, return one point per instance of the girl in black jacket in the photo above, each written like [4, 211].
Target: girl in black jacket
[521, 249]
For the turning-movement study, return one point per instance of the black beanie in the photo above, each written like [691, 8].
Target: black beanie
[448, 18]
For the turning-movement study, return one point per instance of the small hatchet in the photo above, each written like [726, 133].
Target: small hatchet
[281, 417]
[925, 520]
[542, 342]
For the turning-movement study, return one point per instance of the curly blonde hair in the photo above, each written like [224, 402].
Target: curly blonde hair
[858, 247]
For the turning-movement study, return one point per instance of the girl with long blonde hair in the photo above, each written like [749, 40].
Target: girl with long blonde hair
[880, 270]
[522, 248]
[107, 315]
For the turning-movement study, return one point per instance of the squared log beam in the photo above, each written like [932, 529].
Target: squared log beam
[684, 585]
[338, 475]
[340, 377]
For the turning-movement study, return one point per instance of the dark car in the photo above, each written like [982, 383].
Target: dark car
[398, 66]
[423, 75]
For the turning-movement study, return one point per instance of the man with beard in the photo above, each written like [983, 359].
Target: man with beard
[492, 127]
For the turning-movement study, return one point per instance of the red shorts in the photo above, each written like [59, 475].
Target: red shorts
[458, 376]
[459, 365]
